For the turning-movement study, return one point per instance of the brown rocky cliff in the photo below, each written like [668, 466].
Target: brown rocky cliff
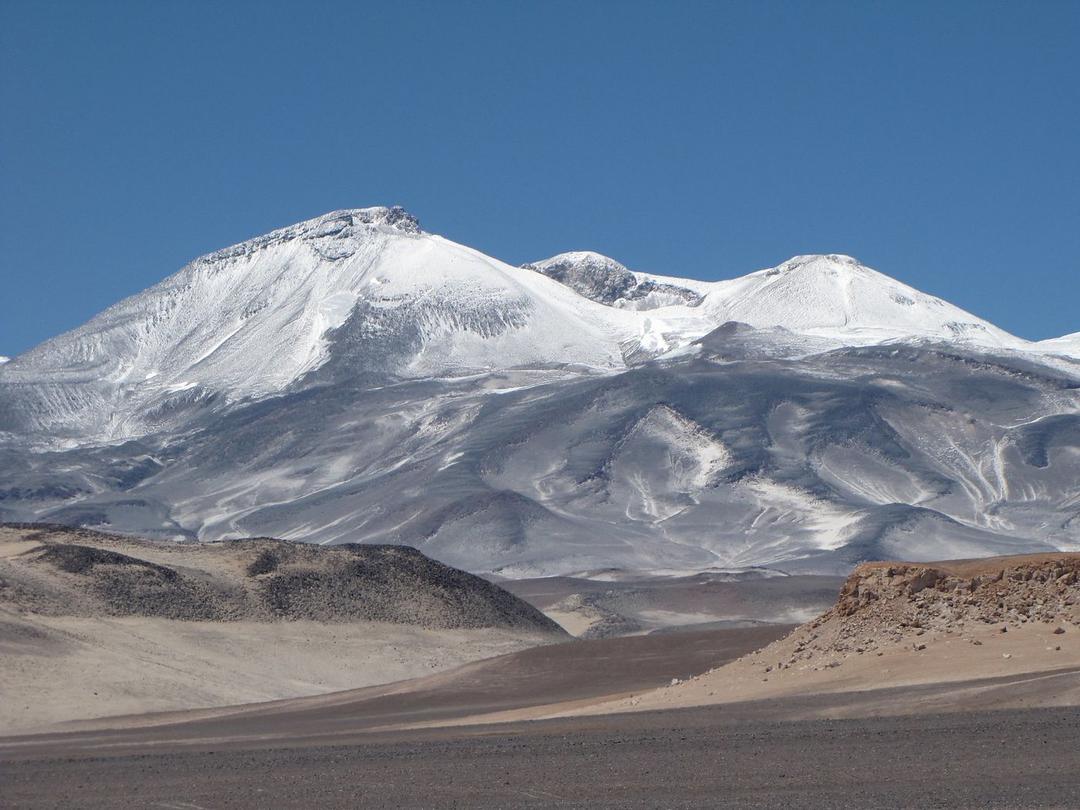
[1003, 589]
[885, 605]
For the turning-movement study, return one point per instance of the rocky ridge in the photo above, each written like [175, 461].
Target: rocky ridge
[886, 605]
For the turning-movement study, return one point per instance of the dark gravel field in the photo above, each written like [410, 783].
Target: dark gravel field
[705, 757]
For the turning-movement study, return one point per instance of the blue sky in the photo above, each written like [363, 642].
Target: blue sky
[937, 142]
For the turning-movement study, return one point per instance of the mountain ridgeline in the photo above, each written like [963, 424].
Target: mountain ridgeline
[354, 379]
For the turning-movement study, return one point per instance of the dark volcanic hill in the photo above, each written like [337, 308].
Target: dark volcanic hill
[77, 572]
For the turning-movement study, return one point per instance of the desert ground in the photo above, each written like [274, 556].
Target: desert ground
[952, 684]
[613, 603]
[894, 625]
[83, 668]
[159, 628]
[732, 756]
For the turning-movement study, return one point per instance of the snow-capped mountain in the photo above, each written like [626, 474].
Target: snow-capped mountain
[248, 321]
[831, 296]
[353, 378]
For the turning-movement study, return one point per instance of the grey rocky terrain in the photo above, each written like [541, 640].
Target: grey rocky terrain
[807, 464]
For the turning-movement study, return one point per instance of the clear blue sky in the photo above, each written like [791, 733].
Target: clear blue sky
[938, 142]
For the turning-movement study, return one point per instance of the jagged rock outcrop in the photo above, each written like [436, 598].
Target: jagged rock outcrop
[605, 281]
[885, 604]
[1012, 590]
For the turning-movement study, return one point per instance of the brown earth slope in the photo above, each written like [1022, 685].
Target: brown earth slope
[907, 624]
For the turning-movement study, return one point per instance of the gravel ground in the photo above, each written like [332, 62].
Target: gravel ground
[714, 758]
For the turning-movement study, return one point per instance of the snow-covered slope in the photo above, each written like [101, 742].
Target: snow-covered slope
[1066, 345]
[824, 296]
[366, 292]
[252, 319]
[836, 296]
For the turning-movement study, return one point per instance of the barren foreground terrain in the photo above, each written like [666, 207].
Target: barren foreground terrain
[75, 668]
[926, 685]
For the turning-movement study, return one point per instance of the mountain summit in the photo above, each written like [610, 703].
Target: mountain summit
[837, 296]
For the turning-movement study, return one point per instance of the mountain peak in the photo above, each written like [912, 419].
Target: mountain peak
[825, 258]
[834, 295]
[580, 257]
[391, 216]
[589, 274]
[345, 223]
[334, 235]
[827, 263]
[606, 281]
